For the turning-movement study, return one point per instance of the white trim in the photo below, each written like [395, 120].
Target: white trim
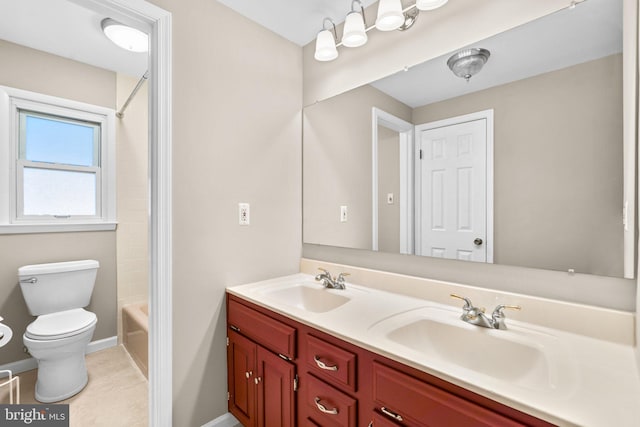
[225, 420]
[12, 101]
[488, 116]
[406, 137]
[31, 363]
[144, 15]
[630, 123]
[56, 228]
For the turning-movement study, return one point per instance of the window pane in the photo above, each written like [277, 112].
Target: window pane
[59, 141]
[56, 192]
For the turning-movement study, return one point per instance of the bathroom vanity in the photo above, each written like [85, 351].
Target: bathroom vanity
[300, 354]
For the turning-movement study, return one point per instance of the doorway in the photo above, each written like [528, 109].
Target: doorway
[454, 188]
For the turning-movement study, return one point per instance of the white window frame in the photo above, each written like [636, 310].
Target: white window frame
[12, 220]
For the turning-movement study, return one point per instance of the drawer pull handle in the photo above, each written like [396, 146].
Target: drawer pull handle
[324, 409]
[391, 414]
[322, 365]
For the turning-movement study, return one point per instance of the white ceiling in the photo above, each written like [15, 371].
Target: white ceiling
[66, 29]
[593, 29]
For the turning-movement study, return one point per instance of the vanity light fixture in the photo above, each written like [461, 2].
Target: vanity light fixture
[430, 4]
[124, 36]
[355, 33]
[468, 62]
[326, 49]
[391, 16]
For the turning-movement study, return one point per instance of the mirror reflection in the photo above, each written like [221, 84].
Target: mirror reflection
[520, 165]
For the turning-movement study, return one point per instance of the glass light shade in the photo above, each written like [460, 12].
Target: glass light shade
[390, 16]
[430, 4]
[325, 46]
[124, 36]
[354, 31]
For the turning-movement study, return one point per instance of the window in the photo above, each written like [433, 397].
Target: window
[59, 173]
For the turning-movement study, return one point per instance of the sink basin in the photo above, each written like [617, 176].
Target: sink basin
[519, 356]
[308, 297]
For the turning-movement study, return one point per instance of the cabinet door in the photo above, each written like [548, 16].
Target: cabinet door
[274, 382]
[241, 362]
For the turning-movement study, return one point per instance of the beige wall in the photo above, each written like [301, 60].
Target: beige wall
[28, 69]
[237, 96]
[558, 166]
[132, 196]
[337, 166]
[388, 182]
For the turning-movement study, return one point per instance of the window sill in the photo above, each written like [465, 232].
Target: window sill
[56, 228]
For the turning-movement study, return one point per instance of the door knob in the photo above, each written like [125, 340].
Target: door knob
[477, 241]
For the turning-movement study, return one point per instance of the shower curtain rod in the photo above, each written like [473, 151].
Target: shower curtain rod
[135, 90]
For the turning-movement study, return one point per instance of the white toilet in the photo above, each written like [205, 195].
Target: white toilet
[58, 338]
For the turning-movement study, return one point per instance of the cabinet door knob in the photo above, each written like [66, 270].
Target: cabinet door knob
[324, 409]
[324, 366]
[248, 374]
[257, 380]
[477, 241]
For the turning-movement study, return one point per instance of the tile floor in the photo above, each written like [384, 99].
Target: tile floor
[116, 395]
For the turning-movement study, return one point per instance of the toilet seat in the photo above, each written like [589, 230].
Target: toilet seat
[62, 324]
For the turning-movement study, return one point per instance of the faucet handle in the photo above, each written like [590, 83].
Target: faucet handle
[498, 310]
[468, 305]
[341, 276]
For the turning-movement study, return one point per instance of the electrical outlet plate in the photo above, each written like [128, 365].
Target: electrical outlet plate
[243, 214]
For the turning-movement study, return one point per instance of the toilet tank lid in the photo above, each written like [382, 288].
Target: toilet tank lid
[57, 267]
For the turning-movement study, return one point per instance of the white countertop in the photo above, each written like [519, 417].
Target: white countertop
[590, 383]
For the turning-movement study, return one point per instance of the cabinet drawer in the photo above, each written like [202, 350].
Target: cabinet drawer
[418, 403]
[262, 329]
[332, 363]
[378, 420]
[330, 406]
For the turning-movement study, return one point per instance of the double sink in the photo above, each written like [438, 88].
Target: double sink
[523, 356]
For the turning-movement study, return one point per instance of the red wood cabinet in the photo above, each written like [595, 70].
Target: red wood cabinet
[261, 384]
[338, 383]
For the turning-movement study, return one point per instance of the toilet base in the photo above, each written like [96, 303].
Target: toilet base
[60, 379]
[62, 371]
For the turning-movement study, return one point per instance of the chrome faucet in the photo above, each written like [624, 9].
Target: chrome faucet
[331, 282]
[476, 316]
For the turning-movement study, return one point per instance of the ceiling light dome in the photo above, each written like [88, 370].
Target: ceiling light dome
[468, 62]
[430, 4]
[124, 36]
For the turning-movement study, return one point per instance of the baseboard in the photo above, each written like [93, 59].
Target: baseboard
[30, 363]
[226, 420]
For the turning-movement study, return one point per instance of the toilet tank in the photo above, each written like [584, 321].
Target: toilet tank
[58, 286]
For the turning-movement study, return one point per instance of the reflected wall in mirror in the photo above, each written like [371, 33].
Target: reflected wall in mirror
[554, 176]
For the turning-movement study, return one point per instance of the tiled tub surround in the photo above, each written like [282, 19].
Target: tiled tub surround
[592, 379]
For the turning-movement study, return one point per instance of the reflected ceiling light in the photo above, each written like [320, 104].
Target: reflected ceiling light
[390, 15]
[124, 36]
[326, 49]
[430, 4]
[468, 62]
[355, 33]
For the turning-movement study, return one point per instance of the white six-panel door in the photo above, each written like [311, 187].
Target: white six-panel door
[452, 193]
